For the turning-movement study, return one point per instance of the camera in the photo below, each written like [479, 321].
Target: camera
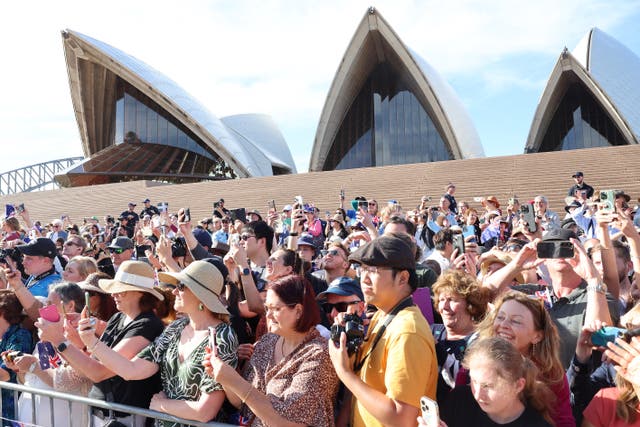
[354, 330]
[606, 334]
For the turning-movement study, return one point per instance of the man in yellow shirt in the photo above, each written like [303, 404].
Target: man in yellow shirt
[396, 364]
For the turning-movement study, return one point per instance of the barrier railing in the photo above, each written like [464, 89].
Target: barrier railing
[89, 404]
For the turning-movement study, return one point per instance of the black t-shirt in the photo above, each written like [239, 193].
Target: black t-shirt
[135, 393]
[462, 410]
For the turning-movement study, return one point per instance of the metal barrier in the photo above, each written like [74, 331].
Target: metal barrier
[89, 403]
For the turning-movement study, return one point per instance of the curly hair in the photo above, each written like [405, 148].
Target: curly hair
[546, 353]
[459, 283]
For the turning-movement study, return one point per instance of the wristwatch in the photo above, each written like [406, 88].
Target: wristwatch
[246, 271]
[599, 287]
[63, 346]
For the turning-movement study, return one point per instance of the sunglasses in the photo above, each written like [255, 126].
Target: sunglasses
[332, 252]
[340, 307]
[246, 237]
[116, 251]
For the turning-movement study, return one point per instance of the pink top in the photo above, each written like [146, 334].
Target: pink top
[561, 411]
[315, 229]
[601, 412]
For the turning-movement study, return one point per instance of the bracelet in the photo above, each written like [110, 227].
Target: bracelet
[32, 367]
[246, 396]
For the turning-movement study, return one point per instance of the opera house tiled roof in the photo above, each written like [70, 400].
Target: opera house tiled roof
[123, 106]
[591, 99]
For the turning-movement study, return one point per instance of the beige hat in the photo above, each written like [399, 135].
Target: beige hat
[204, 280]
[91, 288]
[132, 276]
[501, 258]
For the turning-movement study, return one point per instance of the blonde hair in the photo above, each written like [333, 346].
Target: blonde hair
[544, 354]
[86, 265]
[510, 365]
[627, 401]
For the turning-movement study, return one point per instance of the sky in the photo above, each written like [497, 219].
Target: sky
[280, 57]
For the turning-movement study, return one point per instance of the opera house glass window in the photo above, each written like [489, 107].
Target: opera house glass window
[140, 120]
[386, 125]
[580, 122]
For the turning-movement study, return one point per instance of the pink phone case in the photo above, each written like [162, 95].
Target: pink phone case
[50, 313]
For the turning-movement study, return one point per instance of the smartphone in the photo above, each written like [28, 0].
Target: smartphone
[458, 243]
[186, 215]
[163, 206]
[19, 208]
[212, 341]
[529, 215]
[468, 231]
[100, 238]
[87, 302]
[608, 200]
[430, 412]
[272, 205]
[555, 249]
[342, 194]
[298, 199]
[216, 205]
[141, 251]
[50, 313]
[363, 204]
[606, 334]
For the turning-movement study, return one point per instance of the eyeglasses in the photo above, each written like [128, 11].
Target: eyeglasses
[371, 269]
[116, 251]
[180, 286]
[340, 307]
[332, 252]
[275, 309]
[246, 237]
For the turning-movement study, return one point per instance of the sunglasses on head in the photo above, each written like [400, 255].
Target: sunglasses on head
[341, 307]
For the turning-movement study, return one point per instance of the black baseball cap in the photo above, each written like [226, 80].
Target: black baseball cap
[42, 246]
[389, 250]
[577, 174]
[558, 234]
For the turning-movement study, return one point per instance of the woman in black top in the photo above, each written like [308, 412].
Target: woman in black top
[503, 391]
[130, 330]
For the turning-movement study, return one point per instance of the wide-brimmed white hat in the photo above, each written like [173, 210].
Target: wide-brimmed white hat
[204, 280]
[132, 276]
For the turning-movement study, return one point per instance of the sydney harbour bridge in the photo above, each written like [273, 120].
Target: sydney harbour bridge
[35, 177]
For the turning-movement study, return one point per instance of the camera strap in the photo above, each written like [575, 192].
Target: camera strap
[405, 303]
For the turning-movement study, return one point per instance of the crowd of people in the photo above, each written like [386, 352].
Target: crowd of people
[368, 315]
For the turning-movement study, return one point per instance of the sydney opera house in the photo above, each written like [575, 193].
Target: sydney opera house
[386, 106]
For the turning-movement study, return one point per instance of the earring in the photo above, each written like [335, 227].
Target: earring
[200, 307]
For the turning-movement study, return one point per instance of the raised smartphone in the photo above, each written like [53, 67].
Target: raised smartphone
[430, 412]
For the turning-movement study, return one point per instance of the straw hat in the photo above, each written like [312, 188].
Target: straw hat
[501, 258]
[132, 276]
[204, 280]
